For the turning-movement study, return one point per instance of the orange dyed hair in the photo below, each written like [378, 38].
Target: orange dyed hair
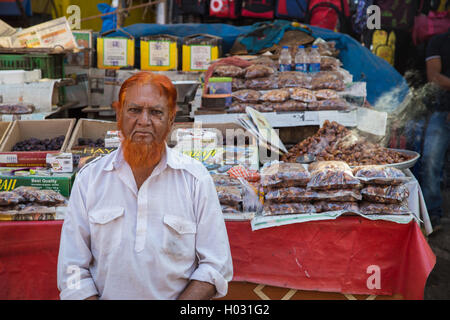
[163, 83]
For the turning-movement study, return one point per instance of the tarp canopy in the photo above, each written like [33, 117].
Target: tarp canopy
[380, 76]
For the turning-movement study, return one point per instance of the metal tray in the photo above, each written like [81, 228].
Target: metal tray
[402, 165]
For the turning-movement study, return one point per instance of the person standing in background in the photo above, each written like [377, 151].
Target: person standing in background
[437, 133]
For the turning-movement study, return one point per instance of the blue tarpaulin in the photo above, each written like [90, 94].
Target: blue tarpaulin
[380, 76]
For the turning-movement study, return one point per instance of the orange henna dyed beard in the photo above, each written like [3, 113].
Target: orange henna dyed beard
[139, 155]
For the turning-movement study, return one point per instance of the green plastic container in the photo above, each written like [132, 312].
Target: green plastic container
[51, 65]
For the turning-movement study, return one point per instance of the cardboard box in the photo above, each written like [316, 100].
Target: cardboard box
[40, 129]
[4, 128]
[90, 129]
[60, 182]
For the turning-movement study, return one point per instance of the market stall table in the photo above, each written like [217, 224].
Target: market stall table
[325, 256]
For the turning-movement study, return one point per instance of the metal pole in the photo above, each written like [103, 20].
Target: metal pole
[161, 13]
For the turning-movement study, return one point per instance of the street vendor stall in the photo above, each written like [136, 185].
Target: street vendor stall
[326, 211]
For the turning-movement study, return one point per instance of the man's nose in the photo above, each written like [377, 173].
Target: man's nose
[144, 118]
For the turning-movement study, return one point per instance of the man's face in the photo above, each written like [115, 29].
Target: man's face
[145, 115]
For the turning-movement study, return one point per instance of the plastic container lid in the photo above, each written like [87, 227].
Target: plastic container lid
[314, 46]
[301, 47]
[285, 47]
[220, 79]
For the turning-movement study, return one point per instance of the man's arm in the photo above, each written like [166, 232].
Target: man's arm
[434, 69]
[74, 278]
[198, 290]
[215, 267]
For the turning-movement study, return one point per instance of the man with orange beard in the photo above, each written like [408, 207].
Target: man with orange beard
[144, 222]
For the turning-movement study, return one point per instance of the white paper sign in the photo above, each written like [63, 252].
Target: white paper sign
[200, 57]
[372, 121]
[159, 53]
[115, 52]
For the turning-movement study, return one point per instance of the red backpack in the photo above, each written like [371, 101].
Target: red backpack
[327, 14]
[225, 8]
[258, 8]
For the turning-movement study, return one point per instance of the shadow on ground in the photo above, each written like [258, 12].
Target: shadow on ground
[438, 283]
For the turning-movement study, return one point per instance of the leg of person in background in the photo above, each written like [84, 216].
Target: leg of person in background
[414, 130]
[436, 142]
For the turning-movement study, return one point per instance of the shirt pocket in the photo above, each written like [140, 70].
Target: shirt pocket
[179, 237]
[106, 229]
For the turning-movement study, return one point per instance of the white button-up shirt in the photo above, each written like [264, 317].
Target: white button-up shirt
[123, 243]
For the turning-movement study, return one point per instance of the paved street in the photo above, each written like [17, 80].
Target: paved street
[438, 284]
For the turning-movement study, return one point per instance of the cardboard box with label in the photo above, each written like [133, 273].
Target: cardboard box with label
[60, 182]
[26, 129]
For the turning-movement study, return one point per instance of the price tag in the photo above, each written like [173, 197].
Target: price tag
[8, 158]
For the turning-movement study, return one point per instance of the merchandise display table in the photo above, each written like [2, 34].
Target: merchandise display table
[338, 256]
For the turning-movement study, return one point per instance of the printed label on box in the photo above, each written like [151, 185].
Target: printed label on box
[115, 52]
[200, 57]
[159, 53]
[8, 158]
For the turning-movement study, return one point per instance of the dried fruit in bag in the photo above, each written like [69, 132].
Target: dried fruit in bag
[246, 95]
[229, 71]
[326, 94]
[50, 197]
[290, 105]
[230, 195]
[380, 175]
[322, 165]
[285, 195]
[329, 63]
[239, 107]
[284, 175]
[385, 194]
[224, 180]
[276, 95]
[301, 94]
[332, 175]
[288, 208]
[339, 195]
[230, 209]
[258, 71]
[8, 198]
[265, 83]
[336, 104]
[293, 79]
[347, 207]
[30, 194]
[237, 84]
[36, 208]
[383, 208]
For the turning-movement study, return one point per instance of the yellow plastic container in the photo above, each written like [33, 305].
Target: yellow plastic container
[159, 53]
[199, 50]
[115, 52]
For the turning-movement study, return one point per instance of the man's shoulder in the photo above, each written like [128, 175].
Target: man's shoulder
[191, 165]
[97, 164]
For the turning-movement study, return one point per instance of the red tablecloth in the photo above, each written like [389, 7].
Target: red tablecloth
[330, 256]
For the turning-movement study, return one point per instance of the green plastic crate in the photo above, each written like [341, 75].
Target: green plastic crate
[51, 65]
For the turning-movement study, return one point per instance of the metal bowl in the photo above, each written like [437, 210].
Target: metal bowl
[402, 165]
[406, 164]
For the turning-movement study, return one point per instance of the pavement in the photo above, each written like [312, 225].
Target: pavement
[438, 283]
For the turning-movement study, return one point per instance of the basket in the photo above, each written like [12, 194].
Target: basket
[51, 65]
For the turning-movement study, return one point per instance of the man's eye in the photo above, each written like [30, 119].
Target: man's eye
[156, 112]
[134, 110]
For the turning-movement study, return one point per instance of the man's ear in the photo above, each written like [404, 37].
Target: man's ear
[115, 106]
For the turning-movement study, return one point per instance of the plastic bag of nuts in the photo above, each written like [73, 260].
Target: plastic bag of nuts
[284, 175]
[385, 194]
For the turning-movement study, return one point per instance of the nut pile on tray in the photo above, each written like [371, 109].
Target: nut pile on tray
[23, 202]
[333, 186]
[334, 142]
[263, 88]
